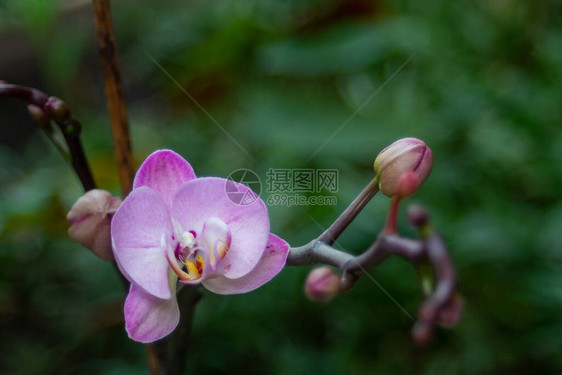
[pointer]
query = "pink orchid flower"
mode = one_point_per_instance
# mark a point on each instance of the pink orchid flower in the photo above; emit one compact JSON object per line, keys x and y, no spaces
{"x":174,"y":226}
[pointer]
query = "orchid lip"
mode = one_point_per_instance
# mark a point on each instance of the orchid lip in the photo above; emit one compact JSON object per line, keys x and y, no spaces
{"x":200,"y":258}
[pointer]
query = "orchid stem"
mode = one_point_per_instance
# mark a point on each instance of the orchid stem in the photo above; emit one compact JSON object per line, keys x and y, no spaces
{"x":178,"y":344}
{"x":114,"y":93}
{"x":391,"y":225}
{"x":342,"y":222}
{"x":429,"y":249}
{"x":70,"y":128}
{"x":168,"y":356}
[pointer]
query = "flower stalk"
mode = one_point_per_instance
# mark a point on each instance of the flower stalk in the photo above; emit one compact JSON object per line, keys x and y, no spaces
{"x":400,"y":169}
{"x":342,"y":222}
{"x":43,"y":109}
{"x":115,"y":96}
{"x":429,"y":250}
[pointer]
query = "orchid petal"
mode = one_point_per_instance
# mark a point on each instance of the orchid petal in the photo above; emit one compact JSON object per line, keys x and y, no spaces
{"x":164,"y":171}
{"x":149,"y":318}
{"x":204,"y":198}
{"x":270,"y":264}
{"x":216,"y":238}
{"x":137,"y":230}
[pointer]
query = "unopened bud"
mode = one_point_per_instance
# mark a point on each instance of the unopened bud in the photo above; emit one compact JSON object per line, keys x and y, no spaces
{"x":451,"y":312}
{"x":322,"y":284}
{"x":57,"y":109}
{"x":38,"y":115}
{"x":90,"y":219}
{"x":417,"y":215}
{"x":406,"y":185}
{"x":404,"y":155}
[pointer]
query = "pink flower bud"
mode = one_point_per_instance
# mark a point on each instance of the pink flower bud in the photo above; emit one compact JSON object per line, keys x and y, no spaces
{"x":90,"y":219}
{"x":417,"y":215}
{"x":451,"y":312}
{"x":38,"y":115}
{"x":406,"y":154}
{"x":322,"y":284}
{"x":407,"y":184}
{"x":57,"y":109}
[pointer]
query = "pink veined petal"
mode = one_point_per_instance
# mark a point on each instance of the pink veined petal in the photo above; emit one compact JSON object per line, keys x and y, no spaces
{"x":205,"y":198}
{"x":137,"y":230}
{"x":149,"y":318}
{"x":270,"y":264}
{"x":164,"y":171}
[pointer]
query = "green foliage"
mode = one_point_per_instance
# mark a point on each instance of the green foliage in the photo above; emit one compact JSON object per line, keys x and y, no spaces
{"x":482,"y":89}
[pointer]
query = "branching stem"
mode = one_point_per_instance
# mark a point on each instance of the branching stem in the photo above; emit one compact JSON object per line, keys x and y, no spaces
{"x":430,"y":249}
{"x":44,"y":109}
{"x":336,"y":229}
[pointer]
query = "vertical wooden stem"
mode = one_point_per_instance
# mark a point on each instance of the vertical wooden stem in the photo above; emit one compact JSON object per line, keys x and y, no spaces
{"x":114,"y":93}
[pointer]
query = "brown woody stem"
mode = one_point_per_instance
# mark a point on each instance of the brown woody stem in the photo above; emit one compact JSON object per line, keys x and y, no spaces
{"x":114,"y":93}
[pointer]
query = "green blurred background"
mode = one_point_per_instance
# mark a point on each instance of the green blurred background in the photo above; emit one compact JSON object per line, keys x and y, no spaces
{"x":482,"y":88}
